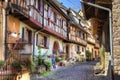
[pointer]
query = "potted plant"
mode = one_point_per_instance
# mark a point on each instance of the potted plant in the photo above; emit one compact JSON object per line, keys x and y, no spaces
{"x":16,"y":66}
{"x":28,"y":63}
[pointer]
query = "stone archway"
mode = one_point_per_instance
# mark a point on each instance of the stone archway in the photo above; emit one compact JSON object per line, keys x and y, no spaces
{"x":55,"y":47}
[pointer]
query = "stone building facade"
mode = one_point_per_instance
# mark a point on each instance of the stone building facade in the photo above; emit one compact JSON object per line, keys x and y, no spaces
{"x":116,"y":35}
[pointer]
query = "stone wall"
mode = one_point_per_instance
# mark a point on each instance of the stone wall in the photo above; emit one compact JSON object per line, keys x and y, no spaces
{"x":116,"y":35}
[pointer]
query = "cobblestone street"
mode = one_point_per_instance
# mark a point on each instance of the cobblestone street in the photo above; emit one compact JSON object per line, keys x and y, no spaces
{"x":82,"y":71}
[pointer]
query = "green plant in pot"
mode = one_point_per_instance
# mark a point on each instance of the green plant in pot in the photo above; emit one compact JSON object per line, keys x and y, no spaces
{"x":28,"y":63}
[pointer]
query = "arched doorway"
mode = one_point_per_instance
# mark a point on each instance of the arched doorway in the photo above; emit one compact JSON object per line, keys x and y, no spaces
{"x":55,"y":47}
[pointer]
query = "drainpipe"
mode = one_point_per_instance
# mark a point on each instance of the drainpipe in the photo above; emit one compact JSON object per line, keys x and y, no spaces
{"x":38,"y":31}
{"x":6,"y":33}
{"x":110,"y":31}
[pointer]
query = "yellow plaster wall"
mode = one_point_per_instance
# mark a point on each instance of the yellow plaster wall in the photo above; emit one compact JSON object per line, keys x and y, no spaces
{"x":13,"y":26}
{"x":24,"y":76}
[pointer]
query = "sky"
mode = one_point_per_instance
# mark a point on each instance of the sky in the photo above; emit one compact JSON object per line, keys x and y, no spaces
{"x":74,"y":4}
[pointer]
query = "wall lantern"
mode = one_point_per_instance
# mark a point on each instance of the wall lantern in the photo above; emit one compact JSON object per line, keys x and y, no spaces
{"x":13,"y":34}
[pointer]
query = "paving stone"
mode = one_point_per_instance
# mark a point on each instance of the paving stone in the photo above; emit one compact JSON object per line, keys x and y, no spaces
{"x":82,"y":71}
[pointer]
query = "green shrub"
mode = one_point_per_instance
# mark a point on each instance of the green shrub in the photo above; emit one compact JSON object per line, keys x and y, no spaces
{"x":102,"y":56}
{"x":88,"y":54}
{"x":28,"y":63}
{"x":39,"y":59}
{"x":58,"y":59}
{"x":48,"y":64}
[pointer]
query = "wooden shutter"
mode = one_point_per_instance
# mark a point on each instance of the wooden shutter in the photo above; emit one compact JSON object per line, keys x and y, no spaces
{"x":23,"y":33}
{"x":37,"y":39}
{"x":41,"y":5}
{"x":32,"y":38}
{"x":49,"y":12}
{"x":48,"y":41}
{"x":38,"y":42}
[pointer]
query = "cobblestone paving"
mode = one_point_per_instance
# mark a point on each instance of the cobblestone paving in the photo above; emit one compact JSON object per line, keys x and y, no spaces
{"x":82,"y":71}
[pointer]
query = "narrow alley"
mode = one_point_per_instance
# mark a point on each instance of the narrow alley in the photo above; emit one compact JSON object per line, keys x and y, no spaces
{"x":83,"y":71}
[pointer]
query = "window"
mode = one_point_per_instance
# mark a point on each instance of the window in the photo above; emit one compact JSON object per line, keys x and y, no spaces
{"x":55,"y":17}
{"x":42,"y":41}
{"x":76,"y":33}
{"x":40,"y":5}
{"x":82,"y":49}
{"x":27,"y":35}
{"x":49,"y":12}
{"x":83,"y":36}
{"x":78,"y":48}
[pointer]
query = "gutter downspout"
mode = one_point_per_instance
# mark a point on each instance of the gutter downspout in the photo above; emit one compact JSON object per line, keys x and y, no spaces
{"x":6,"y":30}
{"x":110,"y":30}
{"x":38,"y":31}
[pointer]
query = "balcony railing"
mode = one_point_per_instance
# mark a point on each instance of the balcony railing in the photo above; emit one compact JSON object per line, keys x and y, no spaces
{"x":36,"y":15}
{"x":20,"y":6}
{"x":84,"y":42}
{"x":22,"y":9}
{"x":91,"y":40}
{"x":52,"y":26}
{"x":78,"y":40}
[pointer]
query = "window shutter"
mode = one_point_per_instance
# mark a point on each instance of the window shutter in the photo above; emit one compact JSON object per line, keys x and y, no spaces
{"x":49,"y":12}
{"x":32,"y":38}
{"x":76,"y":48}
{"x":37,"y":39}
{"x":41,"y":7}
{"x":39,"y":4}
{"x":23,"y":33}
{"x":48,"y":41}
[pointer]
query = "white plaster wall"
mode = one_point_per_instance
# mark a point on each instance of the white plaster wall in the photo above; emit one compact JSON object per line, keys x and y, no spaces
{"x":28,"y":48}
{"x":51,"y":43}
{"x":83,"y":52}
{"x":73,"y":52}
